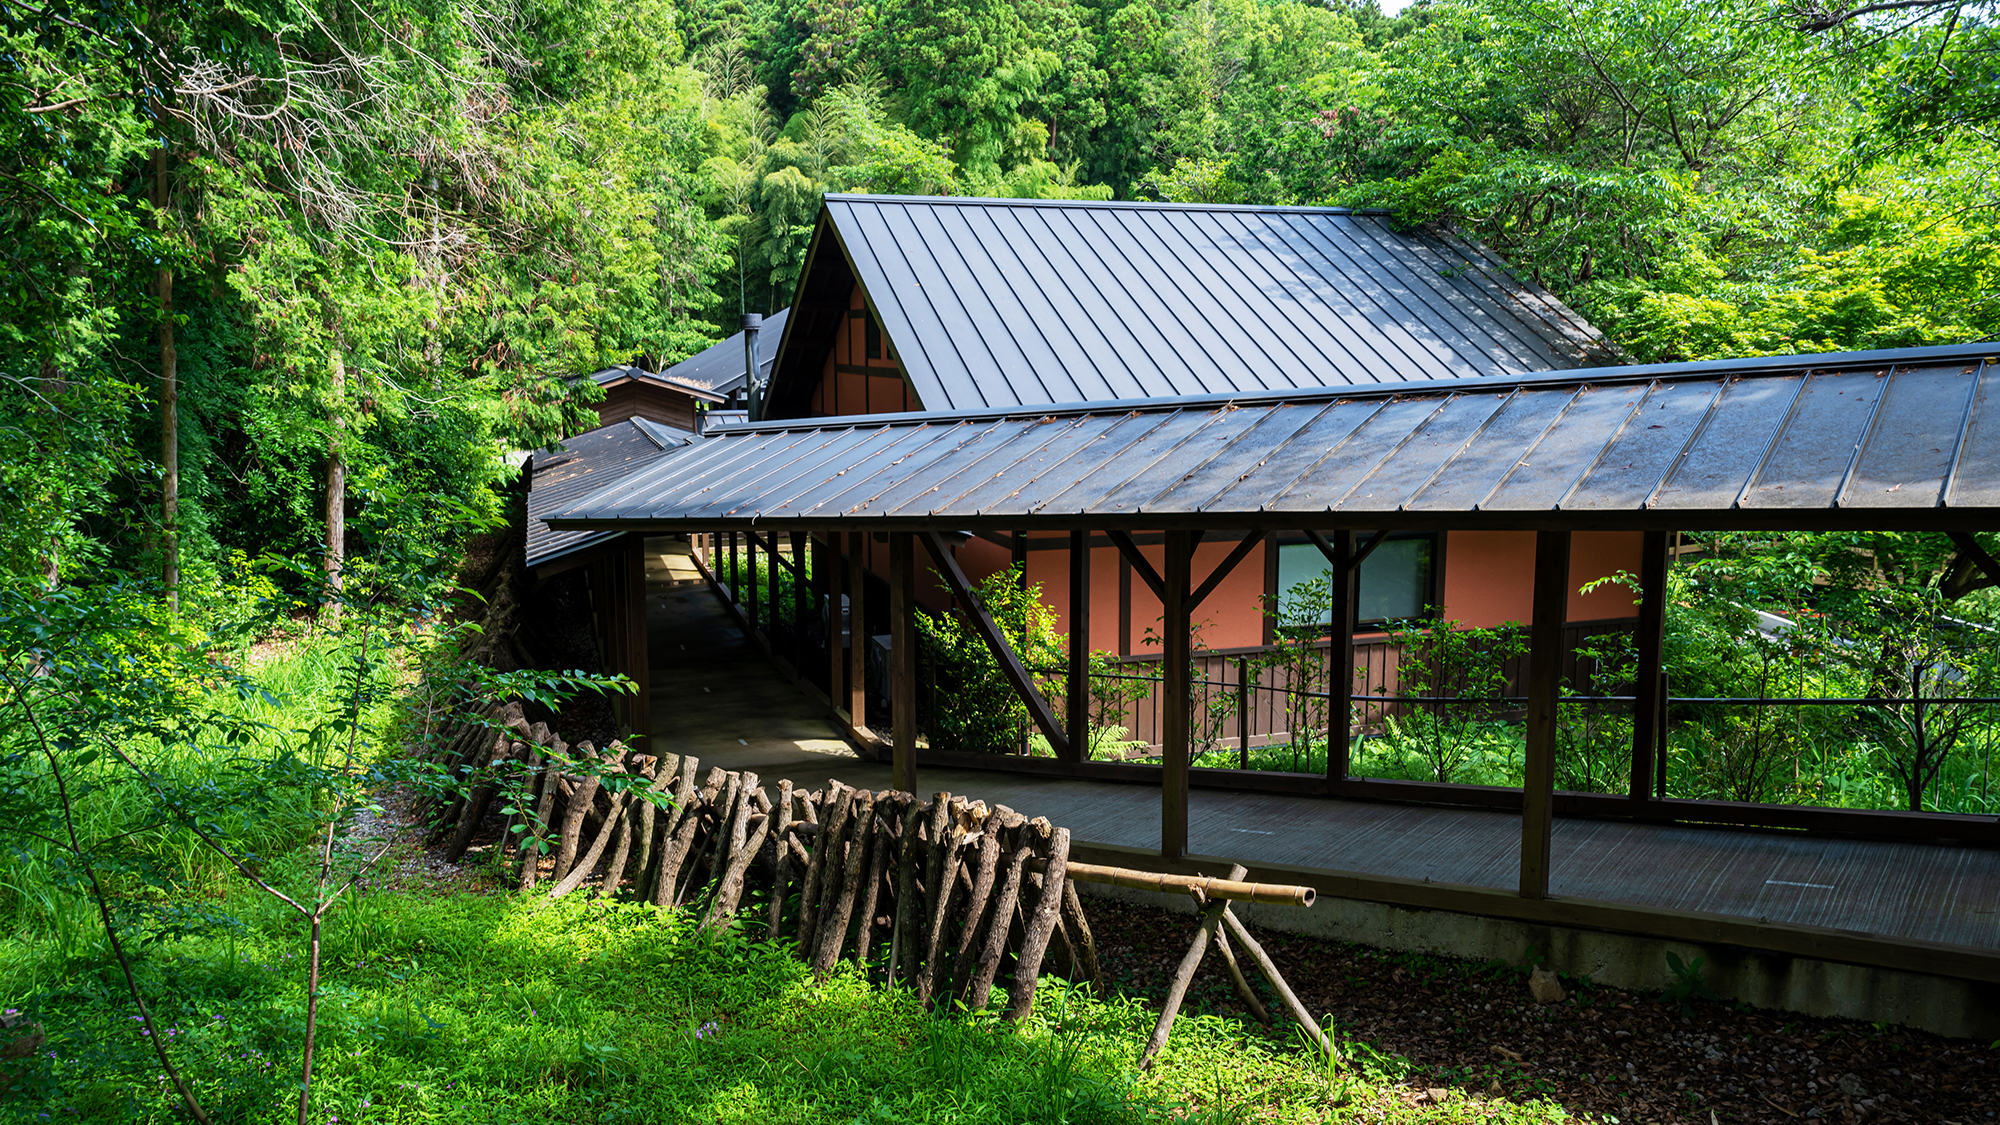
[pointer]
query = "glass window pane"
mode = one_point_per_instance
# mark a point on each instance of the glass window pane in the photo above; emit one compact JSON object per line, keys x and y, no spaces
{"x":1298,"y":562}
{"x":1395,"y":580}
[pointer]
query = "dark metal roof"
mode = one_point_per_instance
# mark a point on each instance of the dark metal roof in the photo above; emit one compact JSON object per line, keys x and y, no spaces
{"x":1907,"y":439}
{"x":719,"y":367}
{"x":626,"y":372}
{"x":1008,"y":302}
{"x":584,"y":464}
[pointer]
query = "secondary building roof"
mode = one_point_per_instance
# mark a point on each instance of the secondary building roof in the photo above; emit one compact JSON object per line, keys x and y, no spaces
{"x":1010,"y":302}
{"x":563,"y":474}
{"x":626,"y":373}
{"x":719,"y":367}
{"x":1879,"y":440}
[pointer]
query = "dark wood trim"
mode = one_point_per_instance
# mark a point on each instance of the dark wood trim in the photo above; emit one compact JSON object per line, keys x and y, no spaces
{"x":989,"y":630}
{"x":1140,"y":564}
{"x":1078,"y":702}
{"x":903,"y":662}
{"x":1819,"y":943}
{"x":1242,"y":551}
{"x":1175,"y":720}
{"x":877,"y":371}
{"x":1124,"y":604}
{"x":801,"y":599}
{"x":857,"y":637}
{"x":1340,"y":659}
{"x":1650,"y":644}
{"x":1544,"y":695}
{"x":1970,"y":547}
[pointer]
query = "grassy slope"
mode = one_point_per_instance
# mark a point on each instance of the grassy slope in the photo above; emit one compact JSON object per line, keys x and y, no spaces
{"x":483,"y":1008}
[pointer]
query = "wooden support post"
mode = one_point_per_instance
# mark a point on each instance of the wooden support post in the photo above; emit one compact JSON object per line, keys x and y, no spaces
{"x":1345,"y":580}
{"x":827,"y":570}
{"x":1020,"y":559}
{"x":903,"y":660}
{"x":1243,"y":712}
{"x":857,"y":630}
{"x":1079,"y":645}
{"x":639,"y":712}
{"x":801,"y":603}
{"x":750,"y":575}
{"x":735,"y":570}
{"x":1649,"y":642}
{"x":1175,"y":725}
{"x":1544,"y":692}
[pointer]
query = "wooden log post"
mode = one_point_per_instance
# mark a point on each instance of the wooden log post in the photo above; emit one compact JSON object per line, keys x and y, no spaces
{"x":826,"y":854}
{"x":1079,"y":646}
{"x":574,"y":811}
{"x":1275,"y":979}
{"x":1649,"y":704}
{"x":882,"y":844}
{"x":1177,"y":986}
{"x":985,"y":872}
{"x":667,"y":825}
{"x":902,"y":930}
{"x":587,"y":863}
{"x":903,"y":661}
{"x":857,"y":633}
{"x":1544,"y":695}
{"x":660,"y":784}
{"x":675,"y":854}
{"x":1244,"y":992}
{"x":781,"y":866}
{"x":1083,"y":948}
{"x":1001,"y":921}
{"x":1042,"y":923}
{"x":750,"y":579}
{"x":545,"y":802}
{"x":852,"y":848}
{"x":1176,"y":727}
{"x":942,"y":887}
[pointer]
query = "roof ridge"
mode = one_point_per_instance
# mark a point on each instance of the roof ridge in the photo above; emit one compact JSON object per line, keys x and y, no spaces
{"x":1114,"y":204}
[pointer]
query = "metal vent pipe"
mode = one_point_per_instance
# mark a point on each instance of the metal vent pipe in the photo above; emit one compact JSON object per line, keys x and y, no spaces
{"x":753,"y":323}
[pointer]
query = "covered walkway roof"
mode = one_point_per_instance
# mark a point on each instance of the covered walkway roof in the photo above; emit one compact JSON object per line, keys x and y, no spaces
{"x":1906,"y":439}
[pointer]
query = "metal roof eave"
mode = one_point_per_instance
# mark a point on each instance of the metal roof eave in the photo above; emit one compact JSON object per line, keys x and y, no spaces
{"x":1599,"y":376}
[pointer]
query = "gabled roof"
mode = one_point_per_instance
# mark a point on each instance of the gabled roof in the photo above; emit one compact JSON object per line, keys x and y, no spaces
{"x":581,"y":465}
{"x":626,"y":373}
{"x":1010,"y":302}
{"x":1908,"y":439}
{"x":719,"y":367}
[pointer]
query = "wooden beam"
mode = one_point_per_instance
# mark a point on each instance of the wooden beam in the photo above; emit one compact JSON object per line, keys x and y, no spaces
{"x":903,"y":662}
{"x":1175,"y":721}
{"x":1079,"y":645}
{"x":1649,"y":706}
{"x":1981,"y":558}
{"x":1345,"y":581}
{"x":1010,"y":664}
{"x":801,"y":602}
{"x":1139,"y":564}
{"x":750,"y":576}
{"x":857,"y":652}
{"x":1242,"y":551}
{"x":641,"y":717}
{"x":1544,"y":693}
{"x":827,"y":570}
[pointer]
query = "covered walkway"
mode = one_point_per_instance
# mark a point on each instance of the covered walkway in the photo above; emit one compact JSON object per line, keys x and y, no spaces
{"x":1918,"y":907}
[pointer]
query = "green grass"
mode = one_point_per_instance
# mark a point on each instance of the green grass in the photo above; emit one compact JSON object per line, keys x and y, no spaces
{"x":501,"y":1009}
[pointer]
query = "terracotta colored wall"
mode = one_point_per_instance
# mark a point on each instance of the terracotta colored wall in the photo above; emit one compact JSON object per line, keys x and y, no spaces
{"x":1489,"y":575}
{"x":867,"y":386}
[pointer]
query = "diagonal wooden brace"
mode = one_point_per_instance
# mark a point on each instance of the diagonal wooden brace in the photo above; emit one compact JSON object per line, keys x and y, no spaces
{"x":989,"y":631}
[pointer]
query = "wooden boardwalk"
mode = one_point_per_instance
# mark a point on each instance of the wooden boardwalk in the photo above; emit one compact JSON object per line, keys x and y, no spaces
{"x":1925,"y":907}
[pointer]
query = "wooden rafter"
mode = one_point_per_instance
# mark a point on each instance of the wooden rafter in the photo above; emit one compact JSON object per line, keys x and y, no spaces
{"x":989,"y":631}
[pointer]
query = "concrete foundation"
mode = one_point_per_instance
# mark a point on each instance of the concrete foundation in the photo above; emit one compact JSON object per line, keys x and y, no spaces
{"x":1941,"y":1005}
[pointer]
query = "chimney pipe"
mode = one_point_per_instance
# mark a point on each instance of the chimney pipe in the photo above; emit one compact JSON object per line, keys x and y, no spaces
{"x":753,"y":323}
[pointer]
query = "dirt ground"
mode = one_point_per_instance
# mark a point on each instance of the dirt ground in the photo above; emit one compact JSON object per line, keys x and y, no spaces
{"x":1606,"y":1053}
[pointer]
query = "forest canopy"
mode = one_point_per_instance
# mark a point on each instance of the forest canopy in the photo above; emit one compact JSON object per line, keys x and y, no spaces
{"x":270,"y":252}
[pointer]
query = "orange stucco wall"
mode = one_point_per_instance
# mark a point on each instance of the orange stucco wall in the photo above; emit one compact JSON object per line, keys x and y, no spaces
{"x":1489,"y":575}
{"x":851,"y":382}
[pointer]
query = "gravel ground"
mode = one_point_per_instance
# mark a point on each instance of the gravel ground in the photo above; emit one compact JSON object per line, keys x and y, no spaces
{"x":1605,"y":1053}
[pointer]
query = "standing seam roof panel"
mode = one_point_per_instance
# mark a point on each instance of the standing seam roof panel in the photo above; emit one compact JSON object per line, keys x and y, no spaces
{"x":1342,"y":337}
{"x":1919,"y":427}
{"x":1342,"y":247}
{"x":1641,"y":457}
{"x":927,"y":325}
{"x":806,"y":475}
{"x":1201,"y":368}
{"x":1976,"y":476}
{"x":1070,"y":482}
{"x":1248,"y":342}
{"x":1435,"y":295}
{"x":1417,"y":458}
{"x":1000,"y":328}
{"x":1022,"y":462}
{"x":1461,"y":278}
{"x":1127,"y":368}
{"x":1069,"y":361}
{"x":1213,"y":478}
{"x":1475,"y":470}
{"x":727,"y":496}
{"x":1164,"y":370}
{"x":667,"y":477}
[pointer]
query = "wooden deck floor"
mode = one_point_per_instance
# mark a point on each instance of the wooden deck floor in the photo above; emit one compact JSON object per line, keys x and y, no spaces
{"x":715,"y":695}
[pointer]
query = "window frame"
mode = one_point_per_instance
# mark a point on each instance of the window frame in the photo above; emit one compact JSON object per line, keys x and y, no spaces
{"x":1432,"y":584}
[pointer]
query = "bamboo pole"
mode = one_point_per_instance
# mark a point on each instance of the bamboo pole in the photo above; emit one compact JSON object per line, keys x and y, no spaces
{"x":1231,"y":889}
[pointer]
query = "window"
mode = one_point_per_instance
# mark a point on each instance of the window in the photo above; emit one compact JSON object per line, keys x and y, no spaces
{"x":1398,"y":578}
{"x":871,"y":334}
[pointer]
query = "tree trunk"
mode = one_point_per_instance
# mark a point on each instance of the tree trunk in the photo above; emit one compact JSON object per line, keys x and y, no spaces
{"x":170,"y":405}
{"x":336,"y":471}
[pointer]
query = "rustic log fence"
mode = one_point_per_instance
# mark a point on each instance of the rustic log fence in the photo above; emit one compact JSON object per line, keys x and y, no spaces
{"x":945,"y":895}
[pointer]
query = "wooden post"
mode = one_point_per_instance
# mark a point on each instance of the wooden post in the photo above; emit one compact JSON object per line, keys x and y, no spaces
{"x":829,"y":571}
{"x":1020,"y":559}
{"x":1079,"y":645}
{"x":801,"y":602}
{"x":1660,"y":740}
{"x":735,"y":578}
{"x":857,"y":651}
{"x":1544,"y":691}
{"x":750,"y":575}
{"x":1651,"y":639}
{"x":639,"y":716}
{"x":1243,"y":712}
{"x":1346,"y":583}
{"x":1175,"y":726}
{"x":903,"y":660}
